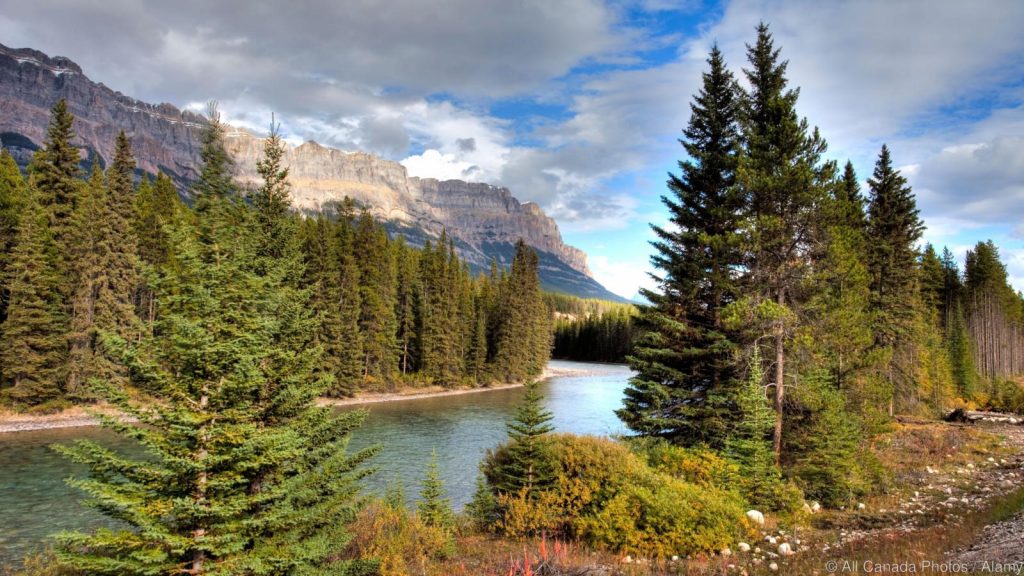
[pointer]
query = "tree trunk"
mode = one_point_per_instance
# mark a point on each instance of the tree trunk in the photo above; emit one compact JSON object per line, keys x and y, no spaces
{"x":780,"y":359}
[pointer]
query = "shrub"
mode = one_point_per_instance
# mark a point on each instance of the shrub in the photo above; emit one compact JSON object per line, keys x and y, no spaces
{"x":398,"y":541}
{"x":669,"y":517}
{"x":608,"y":496}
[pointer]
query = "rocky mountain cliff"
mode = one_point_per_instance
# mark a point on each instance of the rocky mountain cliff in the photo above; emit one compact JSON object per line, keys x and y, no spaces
{"x":484,"y":220}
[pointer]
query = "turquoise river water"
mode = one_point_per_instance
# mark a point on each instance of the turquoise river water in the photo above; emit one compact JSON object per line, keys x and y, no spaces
{"x":35,"y":502}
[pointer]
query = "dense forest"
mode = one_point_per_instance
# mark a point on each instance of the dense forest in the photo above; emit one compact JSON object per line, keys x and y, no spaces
{"x":77,"y":256}
{"x":592,"y":330}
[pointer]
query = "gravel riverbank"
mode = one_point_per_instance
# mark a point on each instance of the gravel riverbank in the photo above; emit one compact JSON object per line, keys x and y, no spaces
{"x":76,"y":417}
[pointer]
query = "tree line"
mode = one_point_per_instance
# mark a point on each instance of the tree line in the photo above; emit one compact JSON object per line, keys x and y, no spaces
{"x":593,"y":330}
{"x":794,"y":316}
{"x":78,"y":258}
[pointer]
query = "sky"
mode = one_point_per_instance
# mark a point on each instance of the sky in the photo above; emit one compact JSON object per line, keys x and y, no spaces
{"x":578,"y":104}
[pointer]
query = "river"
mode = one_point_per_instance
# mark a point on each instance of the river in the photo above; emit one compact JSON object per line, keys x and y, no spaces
{"x":35,"y":502}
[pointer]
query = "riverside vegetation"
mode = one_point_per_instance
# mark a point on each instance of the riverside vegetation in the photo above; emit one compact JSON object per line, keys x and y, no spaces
{"x":793,"y":320}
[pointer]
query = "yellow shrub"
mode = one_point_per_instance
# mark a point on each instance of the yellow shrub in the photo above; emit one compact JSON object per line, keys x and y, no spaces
{"x":397,"y":539}
{"x":668,"y":518}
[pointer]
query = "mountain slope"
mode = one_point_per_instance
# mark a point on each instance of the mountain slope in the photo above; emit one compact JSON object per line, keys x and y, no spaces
{"x":484,"y":220}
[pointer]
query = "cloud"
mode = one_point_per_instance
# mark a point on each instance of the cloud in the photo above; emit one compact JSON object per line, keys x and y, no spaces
{"x":622,"y":277}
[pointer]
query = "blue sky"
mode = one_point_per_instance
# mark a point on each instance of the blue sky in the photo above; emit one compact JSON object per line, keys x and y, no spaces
{"x":577,"y":104}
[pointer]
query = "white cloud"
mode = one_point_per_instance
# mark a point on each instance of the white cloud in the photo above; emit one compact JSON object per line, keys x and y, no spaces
{"x":622,"y":277}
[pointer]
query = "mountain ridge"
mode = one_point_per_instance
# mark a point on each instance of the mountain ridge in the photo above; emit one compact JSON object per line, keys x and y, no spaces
{"x":483,"y":219}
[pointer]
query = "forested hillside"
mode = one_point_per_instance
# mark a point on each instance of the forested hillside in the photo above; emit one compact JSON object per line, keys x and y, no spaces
{"x":79,"y":254}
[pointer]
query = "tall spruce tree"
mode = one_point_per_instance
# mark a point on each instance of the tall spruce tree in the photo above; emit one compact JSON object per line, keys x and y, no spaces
{"x":33,"y":348}
{"x":244,"y":474}
{"x":156,"y":205}
{"x":894,"y":228}
{"x":377,"y":293}
{"x":684,"y":384}
{"x":785,"y":183}
{"x":522,"y":322}
{"x":13,"y":197}
{"x":105,"y":264}
{"x":54,"y":172}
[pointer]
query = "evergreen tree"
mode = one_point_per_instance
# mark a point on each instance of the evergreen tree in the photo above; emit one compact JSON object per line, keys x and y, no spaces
{"x":244,"y":474}
{"x":33,"y":349}
{"x":272,"y":200}
{"x":406,"y":305}
{"x":523,"y":330}
{"x":476,"y":361}
{"x":55,"y":174}
{"x":13,"y":197}
{"x":684,"y":384}
{"x":105,"y":264}
{"x":850,"y":204}
{"x":483,"y":508}
{"x":377,"y":295}
{"x":434,"y":507}
{"x":781,"y":173}
{"x":157,"y":204}
{"x":894,"y":228}
{"x":528,"y":467}
{"x":749,"y":443}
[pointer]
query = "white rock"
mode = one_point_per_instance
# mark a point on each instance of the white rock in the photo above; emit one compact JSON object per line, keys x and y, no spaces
{"x":770,"y":539}
{"x":743,"y":546}
{"x":726,"y":552}
{"x":773,"y":567}
{"x":785,"y":549}
{"x":756,"y":517}
{"x":815,"y":507}
{"x":861,"y":506}
{"x":675,"y":558}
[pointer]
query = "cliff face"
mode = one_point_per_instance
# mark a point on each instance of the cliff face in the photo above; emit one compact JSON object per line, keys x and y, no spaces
{"x":484,"y":220}
{"x":474,"y":213}
{"x":162,"y":136}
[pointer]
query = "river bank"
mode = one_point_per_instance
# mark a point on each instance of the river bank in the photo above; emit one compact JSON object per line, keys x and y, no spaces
{"x":78,"y":416}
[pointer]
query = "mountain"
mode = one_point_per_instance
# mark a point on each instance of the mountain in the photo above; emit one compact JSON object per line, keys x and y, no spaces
{"x":485,"y":221}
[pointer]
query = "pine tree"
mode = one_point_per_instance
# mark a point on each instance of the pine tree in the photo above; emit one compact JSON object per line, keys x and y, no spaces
{"x":523,"y":330}
{"x":33,"y":349}
{"x":406,"y":305}
{"x":272,"y":200}
{"x":781,"y":174}
{"x":105,"y":265}
{"x":157,"y":204}
{"x":377,"y":295}
{"x":529,"y":467}
{"x":894,"y":229}
{"x":54,"y":172}
{"x":13,"y":197}
{"x":476,"y":361}
{"x":749,"y":443}
{"x":684,"y":383}
{"x":434,"y":506}
{"x":332,"y":272}
{"x":483,"y":508}
{"x":244,"y":474}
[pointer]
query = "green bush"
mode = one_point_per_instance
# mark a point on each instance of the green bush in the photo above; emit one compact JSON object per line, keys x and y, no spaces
{"x":666,"y":518}
{"x":606,"y":495}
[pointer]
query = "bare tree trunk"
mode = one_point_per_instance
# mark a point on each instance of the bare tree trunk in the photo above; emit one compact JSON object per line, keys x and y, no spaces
{"x":780,"y":390}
